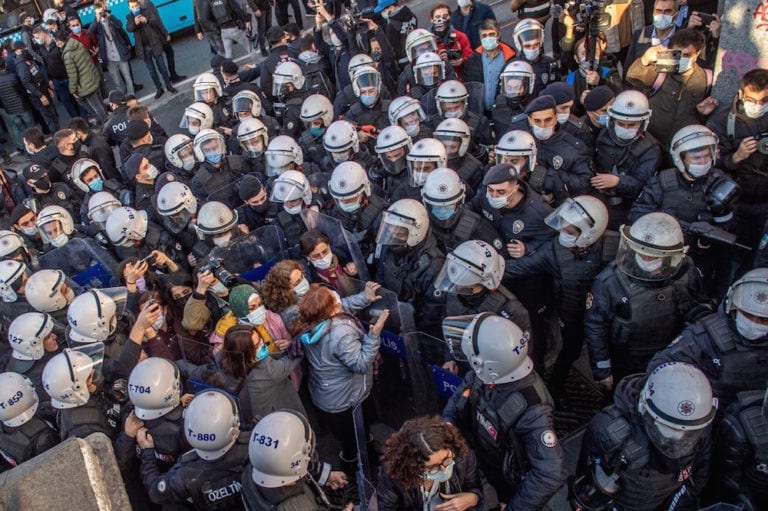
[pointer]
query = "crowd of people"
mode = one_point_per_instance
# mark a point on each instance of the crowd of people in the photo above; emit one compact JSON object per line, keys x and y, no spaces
{"x":212,"y":295}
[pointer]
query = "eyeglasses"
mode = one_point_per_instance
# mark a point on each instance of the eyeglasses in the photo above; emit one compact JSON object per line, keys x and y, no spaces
{"x":434,"y":469}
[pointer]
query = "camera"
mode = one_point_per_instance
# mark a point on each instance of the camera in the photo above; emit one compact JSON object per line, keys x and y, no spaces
{"x":668,"y":61}
{"x":215,"y":266}
{"x":762,"y":142}
{"x":706,"y":19}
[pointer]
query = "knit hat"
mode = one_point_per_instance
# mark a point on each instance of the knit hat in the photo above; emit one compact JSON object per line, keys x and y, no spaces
{"x":598,"y":98}
{"x":238,"y":299}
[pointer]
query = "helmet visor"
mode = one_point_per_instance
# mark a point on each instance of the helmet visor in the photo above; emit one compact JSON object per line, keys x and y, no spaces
{"x":395,"y":229}
{"x":454,"y":328}
{"x":286,"y":192}
{"x":205,"y":94}
{"x":452,"y":143}
{"x":645,"y":262}
{"x":428,"y":75}
{"x":515,"y":86}
{"x":368,"y":80}
{"x":100,"y":213}
{"x":569,"y":213}
{"x":242,"y":104}
{"x":423,"y":48}
{"x":672,"y":442}
{"x":419,"y":170}
{"x":51,"y":229}
{"x":458,"y":276}
{"x":186,"y":153}
{"x":177,"y":221}
{"x":394,"y":167}
{"x":253,"y":146}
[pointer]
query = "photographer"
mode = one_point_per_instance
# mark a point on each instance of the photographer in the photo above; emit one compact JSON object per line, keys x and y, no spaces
{"x":452,"y":45}
{"x":114,"y":47}
{"x":659,"y":33}
{"x":208,"y":302}
{"x":591,"y":70}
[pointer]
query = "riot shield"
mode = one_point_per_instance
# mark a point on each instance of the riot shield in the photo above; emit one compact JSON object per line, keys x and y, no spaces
{"x":369,"y":314}
{"x":252,"y":255}
{"x":204,"y":372}
{"x":85,"y":261}
{"x":343,"y":243}
{"x":365,"y":488}
{"x":95,"y":350}
{"x":431,"y":383}
{"x":227,"y":194}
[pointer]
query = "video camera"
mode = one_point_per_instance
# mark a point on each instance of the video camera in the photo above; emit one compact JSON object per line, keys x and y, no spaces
{"x":353,"y":18}
{"x":590,"y":15}
{"x":215,"y":266}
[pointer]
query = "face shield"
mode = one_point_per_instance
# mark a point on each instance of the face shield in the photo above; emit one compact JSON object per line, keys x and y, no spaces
{"x":191,"y":123}
{"x":515,"y":86}
{"x":454,"y":328}
{"x":418,"y":171}
{"x":672,"y":442}
{"x":368,"y":81}
{"x":186,"y":153}
{"x":421,"y":49}
{"x":453,"y":109}
{"x":646,"y":262}
{"x":205,"y":95}
{"x":100,"y":213}
{"x":52,"y":232}
{"x":394,"y":161}
{"x":242,"y":104}
{"x":569,"y":213}
{"x":254,"y":146}
{"x":452,"y":144}
{"x":213,"y":150}
{"x":285,"y":192}
{"x":458,"y":276}
{"x":177,"y":221}
{"x":395,"y":229}
{"x":280,"y":88}
{"x":428,"y":75}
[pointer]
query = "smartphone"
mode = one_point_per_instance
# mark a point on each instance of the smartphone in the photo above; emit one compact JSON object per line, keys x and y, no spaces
{"x":667,"y":61}
{"x":706,"y":19}
{"x":150,"y":259}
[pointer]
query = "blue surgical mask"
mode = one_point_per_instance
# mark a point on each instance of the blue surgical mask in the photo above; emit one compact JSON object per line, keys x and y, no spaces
{"x":443,"y":475}
{"x":77,"y":29}
{"x":603,"y":120}
{"x":316,"y":131}
{"x":368,"y":100}
{"x":136,"y":11}
{"x":262,"y":352}
{"x":684,"y":65}
{"x":443,"y":212}
{"x":38,"y":42}
{"x":490,"y":43}
{"x":214,"y":158}
{"x":96,"y":185}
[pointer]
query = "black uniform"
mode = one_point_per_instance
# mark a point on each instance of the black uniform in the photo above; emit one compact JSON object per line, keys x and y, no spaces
{"x":546,"y":69}
{"x":59,"y":195}
{"x":288,"y":113}
{"x":568,"y":165}
{"x":99,"y":415}
{"x":364,"y":223}
{"x":377,"y":115}
{"x":210,"y":178}
{"x":509,"y":114}
{"x":114,"y":128}
{"x":463,"y":226}
{"x":302,"y":495}
{"x":501,"y":301}
{"x":470,"y":170}
{"x":510,"y":427}
{"x":24,"y":442}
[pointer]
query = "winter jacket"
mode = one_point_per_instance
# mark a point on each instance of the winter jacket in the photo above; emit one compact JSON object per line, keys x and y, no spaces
{"x":54,"y":64}
{"x":84,"y":76}
{"x":13,"y":99}
{"x":87,"y":39}
{"x":118,"y":35}
{"x":150,"y":36}
{"x":473,"y":68}
{"x":471,"y":28}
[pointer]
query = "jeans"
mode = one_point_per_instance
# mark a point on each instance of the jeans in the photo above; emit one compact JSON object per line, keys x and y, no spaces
{"x":121,"y":74}
{"x":230,"y":35}
{"x":150,"y":60}
{"x":168,"y":50}
{"x":47,"y":112}
{"x":68,"y":100}
{"x":94,"y":103}
{"x":16,"y":124}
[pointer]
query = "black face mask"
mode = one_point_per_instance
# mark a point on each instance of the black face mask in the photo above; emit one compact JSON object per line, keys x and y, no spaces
{"x":77,"y":146}
{"x":43,"y":185}
{"x":261,"y":208}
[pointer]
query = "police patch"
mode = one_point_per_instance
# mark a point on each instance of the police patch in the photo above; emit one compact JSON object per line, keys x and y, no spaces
{"x":557,"y":162}
{"x":161,"y":486}
{"x":544,"y":78}
{"x":686,"y":407}
{"x":61,"y":195}
{"x":590,"y":299}
{"x":761,"y":297}
{"x":518,"y":226}
{"x":549,"y":438}
{"x":289,"y":125}
{"x":497,"y":244}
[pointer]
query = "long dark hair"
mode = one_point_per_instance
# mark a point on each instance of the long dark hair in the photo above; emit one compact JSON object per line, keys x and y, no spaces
{"x":238,"y":355}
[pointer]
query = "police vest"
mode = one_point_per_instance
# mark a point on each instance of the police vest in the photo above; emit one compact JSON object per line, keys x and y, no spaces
{"x":293,"y":227}
{"x":101,"y":414}
{"x":297,"y":498}
{"x":166,"y":432}
{"x":470,"y":170}
{"x":312,"y":147}
{"x":505,"y":116}
{"x":17,"y":445}
{"x":755,"y":427}
{"x":462,"y":230}
{"x":732,"y":367}
{"x":401,"y":274}
{"x":494,"y":301}
{"x":683,"y":202}
{"x":221,"y":12}
{"x":376,"y":116}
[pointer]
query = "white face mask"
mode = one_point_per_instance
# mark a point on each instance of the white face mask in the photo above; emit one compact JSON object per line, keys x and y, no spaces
{"x":294,"y":210}
{"x":194,"y":130}
{"x":257,"y":316}
{"x":324,"y":263}
{"x":29,"y":231}
{"x":662,"y":21}
{"x":531,"y":54}
{"x":755,"y":111}
{"x":748,"y":328}
{"x":698,"y":170}
{"x":563,"y":118}
{"x":222,"y":240}
{"x":684,"y":65}
{"x":543,"y":133}
{"x":412,"y":129}
{"x":158,"y":324}
{"x":463,"y":3}
{"x":60,"y":240}
{"x":497,"y":202}
{"x":152,"y":172}
{"x":301,"y":288}
{"x":453,"y":114}
{"x":567,"y":239}
{"x":219,"y":288}
{"x":348,"y":207}
{"x":649,"y":266}
{"x":625,"y":133}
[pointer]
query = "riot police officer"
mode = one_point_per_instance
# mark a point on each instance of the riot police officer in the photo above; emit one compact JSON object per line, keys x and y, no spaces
{"x":288,"y":88}
{"x":56,"y":226}
{"x":180,"y":157}
{"x":731,"y":344}
{"x":392,"y":146}
{"x":216,"y":225}
{"x":134,"y":235}
{"x":207,"y":90}
{"x":528,"y":39}
{"x":626,"y":155}
{"x":429,"y":71}
{"x":176,"y":205}
{"x":197,"y":117}
{"x":504,"y":410}
{"x":282,"y":154}
{"x":564,"y":99}
{"x":638,"y":304}
{"x":341,"y":142}
{"x":443,"y":195}
{"x":406,"y":112}
{"x":517,"y":81}
{"x":88,"y":179}
{"x":252,"y":140}
{"x":50,"y":291}
{"x":456,"y":137}
{"x":247,"y":104}
{"x":33,"y":342}
{"x":291,"y":190}
{"x":209,"y":475}
{"x":650,"y":449}
{"x":369,"y":113}
{"x":418,"y":42}
{"x":217,"y":169}
{"x":425,"y":156}
{"x":452,"y":102}
{"x":317,"y":116}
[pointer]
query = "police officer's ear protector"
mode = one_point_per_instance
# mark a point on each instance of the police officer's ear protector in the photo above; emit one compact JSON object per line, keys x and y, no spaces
{"x":474,"y":357}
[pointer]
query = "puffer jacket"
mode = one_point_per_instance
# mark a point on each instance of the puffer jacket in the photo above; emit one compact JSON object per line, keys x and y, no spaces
{"x":13,"y":98}
{"x":83,"y":75}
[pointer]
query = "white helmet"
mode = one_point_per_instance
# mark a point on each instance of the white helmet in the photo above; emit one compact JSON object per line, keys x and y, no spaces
{"x":252,"y":136}
{"x":340,"y":140}
{"x":47,"y":291}
{"x":283,"y":154}
{"x":65,"y":379}
{"x":472,"y":263}
{"x":516,"y":143}
{"x":291,"y":185}
{"x":357,"y":61}
{"x":93,"y":315}
{"x":404,"y":223}
{"x":390,"y":139}
{"x":652,"y":248}
{"x":51,"y":15}
{"x":19,"y":399}
{"x":495,"y":347}
{"x":125,"y":226}
{"x":527,"y":30}
{"x":517,"y":79}
{"x":425,"y":156}
{"x":691,"y":138}
{"x":100,"y":205}
{"x":26,"y":334}
{"x":51,"y":215}
{"x":209,"y":145}
{"x":406,"y":112}
{"x":417,"y":42}
{"x":274,"y":465}
{"x":197,"y":116}
{"x":212,"y":423}
{"x":442,"y":194}
{"x":215,"y":218}
{"x":177,"y":205}
{"x":429,"y":69}
{"x":285,"y":73}
{"x":154,"y":388}
{"x":451,"y":132}
{"x":629,"y":106}
{"x":11,"y":272}
{"x":246,"y":101}
{"x":452,"y":91}
{"x":204,"y":82}
{"x":348,"y":181}
{"x":317,"y":106}
{"x":180,"y":151}
{"x":749,"y":294}
{"x":10,"y":244}
{"x":588,"y":214}
{"x":366,"y":77}
{"x":677,"y":406}
{"x":79,"y":168}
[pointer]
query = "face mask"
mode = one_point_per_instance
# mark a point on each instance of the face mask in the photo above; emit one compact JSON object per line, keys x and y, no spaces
{"x":324,"y":263}
{"x":649,"y":266}
{"x":464,"y":3}
{"x":29,"y":231}
{"x":625,"y":133}
{"x":563,"y":118}
{"x":749,"y":329}
{"x":76,"y":146}
{"x":754,"y":111}
{"x":309,"y":57}
{"x":77,"y":29}
{"x":348,"y":207}
{"x":584,"y":66}
{"x":194,"y":130}
{"x":136,"y":11}
{"x":38,"y":42}
{"x":684,"y":65}
{"x":152,"y":172}
{"x":301,"y":288}
{"x":439,"y":26}
{"x":141,"y":284}
{"x":340,"y":157}
{"x":222,"y":240}
{"x":602,"y":120}
{"x":412,"y":129}
{"x":60,"y":240}
{"x":214,"y":158}
{"x":443,"y":212}
{"x":96,"y":185}
{"x":543,"y":133}
{"x":531,"y":54}
{"x":316,"y":131}
{"x":496,"y":202}
{"x":490,"y":43}
{"x":294,"y":210}
{"x":262,"y":352}
{"x":44,"y":184}
{"x":157,"y":325}
{"x":257,"y":316}
{"x":567,"y":239}
{"x":188,"y":163}
{"x":455,"y":114}
{"x":443,"y":475}
{"x":376,"y":56}
{"x":698,"y":170}
{"x":385,"y":15}
{"x":662,"y":21}
{"x":219,"y":288}
{"x":368,"y":100}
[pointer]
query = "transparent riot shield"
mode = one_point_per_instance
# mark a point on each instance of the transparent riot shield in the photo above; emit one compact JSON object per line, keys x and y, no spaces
{"x":365,"y":488}
{"x":343,"y":243}
{"x":227,"y":194}
{"x":95,"y":350}
{"x":369,"y":315}
{"x":430,"y":370}
{"x":86,"y":262}
{"x":252,"y":255}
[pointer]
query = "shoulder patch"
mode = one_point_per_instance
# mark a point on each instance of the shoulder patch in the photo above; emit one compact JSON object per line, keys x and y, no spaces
{"x":557,"y":162}
{"x":549,"y":438}
{"x":589,"y":301}
{"x":518,"y":226}
{"x":161,"y":486}
{"x":61,"y":195}
{"x":497,"y":244}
